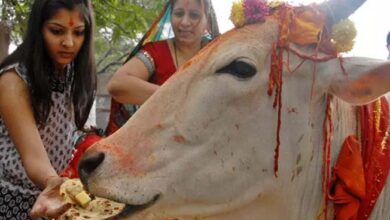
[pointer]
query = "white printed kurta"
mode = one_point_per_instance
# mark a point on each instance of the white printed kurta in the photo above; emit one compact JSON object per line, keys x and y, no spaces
{"x":17,"y":192}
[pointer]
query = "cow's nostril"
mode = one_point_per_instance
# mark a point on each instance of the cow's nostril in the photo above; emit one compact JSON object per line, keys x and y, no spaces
{"x":88,"y":164}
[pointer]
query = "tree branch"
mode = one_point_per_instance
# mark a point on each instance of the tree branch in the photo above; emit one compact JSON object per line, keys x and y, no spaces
{"x":108,"y":53}
{"x":115,"y":23}
{"x":119,"y":62}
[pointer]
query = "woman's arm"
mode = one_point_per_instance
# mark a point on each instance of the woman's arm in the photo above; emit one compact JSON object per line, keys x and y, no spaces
{"x":17,"y":114}
{"x":130,"y":83}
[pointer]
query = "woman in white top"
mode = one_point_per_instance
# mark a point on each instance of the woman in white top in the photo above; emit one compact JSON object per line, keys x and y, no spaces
{"x":47,"y":87}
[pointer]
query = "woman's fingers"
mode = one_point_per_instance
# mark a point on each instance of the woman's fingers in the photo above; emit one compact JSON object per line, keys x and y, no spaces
{"x":49,"y":208}
{"x":49,"y":203}
{"x":37,"y":211}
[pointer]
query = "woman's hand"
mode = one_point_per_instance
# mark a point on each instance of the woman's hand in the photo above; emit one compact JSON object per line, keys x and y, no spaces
{"x":49,"y":203}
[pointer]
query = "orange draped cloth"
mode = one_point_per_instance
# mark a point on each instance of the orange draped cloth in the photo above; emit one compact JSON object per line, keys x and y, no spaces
{"x":361,"y":172}
{"x":348,"y":183}
{"x":305,"y":25}
{"x":300,"y":25}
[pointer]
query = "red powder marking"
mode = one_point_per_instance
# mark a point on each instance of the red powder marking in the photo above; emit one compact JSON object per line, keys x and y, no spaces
{"x":133,"y":162}
{"x":159,"y":126}
{"x":327,"y":130}
{"x":137,"y":159}
{"x":179,"y":139}
{"x":71,"y":22}
{"x":187,"y":64}
{"x":187,"y":3}
{"x":112,"y":149}
{"x":292,"y":110}
{"x":127,"y":160}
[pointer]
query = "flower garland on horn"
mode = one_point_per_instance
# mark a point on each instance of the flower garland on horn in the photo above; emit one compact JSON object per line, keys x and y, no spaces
{"x":342,"y":34}
{"x":249,"y":12}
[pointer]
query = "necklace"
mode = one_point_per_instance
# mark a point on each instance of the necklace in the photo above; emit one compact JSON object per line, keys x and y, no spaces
{"x":176,"y":60}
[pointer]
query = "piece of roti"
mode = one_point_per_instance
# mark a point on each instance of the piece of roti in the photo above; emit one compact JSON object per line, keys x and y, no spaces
{"x":83,"y":208}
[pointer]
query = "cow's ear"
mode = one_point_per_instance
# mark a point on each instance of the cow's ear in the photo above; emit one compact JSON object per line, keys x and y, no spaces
{"x":360,"y":80}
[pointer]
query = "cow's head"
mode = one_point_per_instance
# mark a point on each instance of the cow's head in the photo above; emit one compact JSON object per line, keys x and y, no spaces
{"x":204,"y":143}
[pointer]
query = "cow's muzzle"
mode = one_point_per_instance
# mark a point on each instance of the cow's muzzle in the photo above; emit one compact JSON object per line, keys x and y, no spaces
{"x":88,"y":163}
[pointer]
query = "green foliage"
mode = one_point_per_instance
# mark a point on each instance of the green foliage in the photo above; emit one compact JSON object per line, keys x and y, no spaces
{"x":15,"y":13}
{"x":119,"y":26}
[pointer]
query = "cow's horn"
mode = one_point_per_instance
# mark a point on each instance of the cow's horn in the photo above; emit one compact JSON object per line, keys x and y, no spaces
{"x":337,"y":10}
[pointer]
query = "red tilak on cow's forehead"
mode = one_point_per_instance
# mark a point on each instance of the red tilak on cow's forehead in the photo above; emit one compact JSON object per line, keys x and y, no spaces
{"x":113,"y":149}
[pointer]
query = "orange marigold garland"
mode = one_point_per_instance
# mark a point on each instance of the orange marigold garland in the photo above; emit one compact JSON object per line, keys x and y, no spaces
{"x":237,"y":15}
{"x":343,"y":35}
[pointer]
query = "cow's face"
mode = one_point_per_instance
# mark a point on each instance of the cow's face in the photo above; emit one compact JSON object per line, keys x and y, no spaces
{"x":204,"y":143}
{"x":193,"y":139}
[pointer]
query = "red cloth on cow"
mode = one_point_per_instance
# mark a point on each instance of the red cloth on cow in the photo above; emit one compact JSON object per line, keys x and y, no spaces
{"x":348,"y":184}
{"x":72,"y":170}
{"x":351,"y":201}
{"x":374,"y":119}
{"x":164,"y":68}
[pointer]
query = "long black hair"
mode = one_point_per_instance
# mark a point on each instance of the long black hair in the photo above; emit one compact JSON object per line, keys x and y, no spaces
{"x":32,"y":53}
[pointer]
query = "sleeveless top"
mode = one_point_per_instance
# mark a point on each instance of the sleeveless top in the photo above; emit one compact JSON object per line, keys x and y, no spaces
{"x":56,"y":135}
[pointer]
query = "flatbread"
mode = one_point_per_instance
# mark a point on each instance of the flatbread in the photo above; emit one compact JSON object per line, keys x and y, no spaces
{"x":97,"y":208}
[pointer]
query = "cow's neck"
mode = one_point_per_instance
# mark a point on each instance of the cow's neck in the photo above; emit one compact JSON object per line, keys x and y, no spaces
{"x":298,"y":190}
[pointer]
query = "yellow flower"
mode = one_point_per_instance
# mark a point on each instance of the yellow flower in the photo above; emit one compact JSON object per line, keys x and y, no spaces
{"x":237,"y":15}
{"x":275,"y":3}
{"x":343,"y":35}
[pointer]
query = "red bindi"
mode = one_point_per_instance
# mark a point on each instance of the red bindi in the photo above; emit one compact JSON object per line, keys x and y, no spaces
{"x":71,"y":22}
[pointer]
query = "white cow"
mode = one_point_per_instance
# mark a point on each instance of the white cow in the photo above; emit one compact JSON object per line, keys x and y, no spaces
{"x":202,"y":147}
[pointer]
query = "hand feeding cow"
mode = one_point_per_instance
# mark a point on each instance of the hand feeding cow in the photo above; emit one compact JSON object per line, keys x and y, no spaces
{"x":203,"y":146}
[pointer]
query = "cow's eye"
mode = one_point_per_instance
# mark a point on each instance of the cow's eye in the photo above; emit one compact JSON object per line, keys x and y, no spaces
{"x":239,"y":68}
